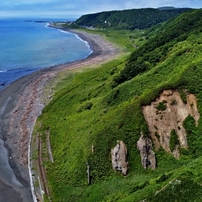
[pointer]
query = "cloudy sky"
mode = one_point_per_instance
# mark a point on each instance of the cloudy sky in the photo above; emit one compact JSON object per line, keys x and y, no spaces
{"x":76,"y":8}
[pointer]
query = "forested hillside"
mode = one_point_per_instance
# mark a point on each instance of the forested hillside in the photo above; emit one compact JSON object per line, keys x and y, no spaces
{"x":129,"y":19}
{"x":133,"y":100}
{"x":157,"y":49}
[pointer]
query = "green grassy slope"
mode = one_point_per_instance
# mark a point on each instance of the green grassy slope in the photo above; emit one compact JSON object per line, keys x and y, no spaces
{"x":91,"y":109}
{"x":158,"y":48}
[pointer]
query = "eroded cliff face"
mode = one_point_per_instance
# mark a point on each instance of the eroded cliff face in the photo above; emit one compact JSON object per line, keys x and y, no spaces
{"x":166,"y":114}
{"x":148,"y":159}
{"x":119,"y":157}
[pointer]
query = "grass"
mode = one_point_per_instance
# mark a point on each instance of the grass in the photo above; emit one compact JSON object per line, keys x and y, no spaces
{"x":88,"y":110}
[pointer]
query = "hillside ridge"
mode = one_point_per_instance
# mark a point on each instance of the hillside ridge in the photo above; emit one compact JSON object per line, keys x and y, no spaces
{"x":150,"y":101}
{"x":129,"y":19}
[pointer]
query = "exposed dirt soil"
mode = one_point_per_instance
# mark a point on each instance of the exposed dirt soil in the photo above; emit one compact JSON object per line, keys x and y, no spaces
{"x":167,"y":113}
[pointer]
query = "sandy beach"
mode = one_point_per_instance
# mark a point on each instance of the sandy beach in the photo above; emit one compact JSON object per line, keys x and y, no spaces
{"x":21,"y":104}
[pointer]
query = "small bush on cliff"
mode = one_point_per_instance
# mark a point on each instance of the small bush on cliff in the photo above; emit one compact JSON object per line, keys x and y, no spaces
{"x":161,"y":106}
{"x":173,"y":140}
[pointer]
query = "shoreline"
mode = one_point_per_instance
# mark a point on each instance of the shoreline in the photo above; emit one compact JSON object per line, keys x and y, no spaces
{"x":21,"y":105}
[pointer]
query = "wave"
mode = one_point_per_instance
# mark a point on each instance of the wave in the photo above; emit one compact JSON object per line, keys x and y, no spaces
{"x":78,"y":37}
{"x":3,"y":71}
{"x":63,"y":31}
{"x":87,"y":44}
{"x":48,"y":25}
{"x":23,"y":69}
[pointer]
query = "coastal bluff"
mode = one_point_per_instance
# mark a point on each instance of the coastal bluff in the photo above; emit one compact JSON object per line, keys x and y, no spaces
{"x":166,"y":115}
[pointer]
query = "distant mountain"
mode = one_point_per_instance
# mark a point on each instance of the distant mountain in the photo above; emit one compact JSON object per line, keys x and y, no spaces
{"x":166,"y":8}
{"x":129,"y":19}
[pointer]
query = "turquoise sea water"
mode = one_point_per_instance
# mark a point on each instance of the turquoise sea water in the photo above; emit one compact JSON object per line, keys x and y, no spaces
{"x":26,"y":46}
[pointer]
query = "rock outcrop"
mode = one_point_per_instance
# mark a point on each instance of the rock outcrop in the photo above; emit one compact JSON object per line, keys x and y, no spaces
{"x":148,"y":158}
{"x":167,"y":114}
{"x":119,"y":157}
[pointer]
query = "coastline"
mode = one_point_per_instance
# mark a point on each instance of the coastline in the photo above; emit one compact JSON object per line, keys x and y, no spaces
{"x":21,"y":105}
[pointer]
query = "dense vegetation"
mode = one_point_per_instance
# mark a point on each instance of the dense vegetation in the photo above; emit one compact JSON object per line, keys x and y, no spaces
{"x":157,"y":49}
{"x":98,"y":106}
{"x":129,"y":19}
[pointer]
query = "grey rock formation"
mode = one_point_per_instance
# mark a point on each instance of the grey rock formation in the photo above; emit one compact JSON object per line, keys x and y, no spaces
{"x":148,"y":158}
{"x":161,"y":123}
{"x":119,"y":157}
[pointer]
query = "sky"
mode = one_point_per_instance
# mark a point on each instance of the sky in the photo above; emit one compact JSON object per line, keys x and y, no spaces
{"x":73,"y":9}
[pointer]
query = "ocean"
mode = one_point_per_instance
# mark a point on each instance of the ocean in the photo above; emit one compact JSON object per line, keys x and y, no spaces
{"x":28,"y":45}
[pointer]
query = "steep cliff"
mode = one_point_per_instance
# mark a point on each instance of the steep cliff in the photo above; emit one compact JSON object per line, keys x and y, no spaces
{"x":165,"y":116}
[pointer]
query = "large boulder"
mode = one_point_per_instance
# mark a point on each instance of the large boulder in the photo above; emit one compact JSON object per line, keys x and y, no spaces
{"x":148,"y":158}
{"x":119,"y":157}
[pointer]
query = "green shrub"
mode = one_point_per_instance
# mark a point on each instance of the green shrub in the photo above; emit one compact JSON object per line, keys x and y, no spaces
{"x":87,"y":106}
{"x":173,"y":140}
{"x":161,"y":106}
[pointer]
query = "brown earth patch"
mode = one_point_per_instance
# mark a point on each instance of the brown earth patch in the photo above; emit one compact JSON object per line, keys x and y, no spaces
{"x":167,"y":113}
